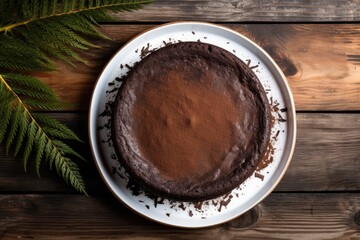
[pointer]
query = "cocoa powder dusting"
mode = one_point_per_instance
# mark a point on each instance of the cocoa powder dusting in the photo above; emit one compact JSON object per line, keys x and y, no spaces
{"x":189,"y":122}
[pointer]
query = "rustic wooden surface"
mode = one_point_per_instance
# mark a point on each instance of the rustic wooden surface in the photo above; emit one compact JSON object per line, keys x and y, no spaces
{"x":280,"y":216}
{"x":319,"y":197}
{"x":320,"y":61}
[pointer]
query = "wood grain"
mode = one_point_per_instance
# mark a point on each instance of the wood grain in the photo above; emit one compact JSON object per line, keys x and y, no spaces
{"x":245,"y":11}
{"x":327,"y":158}
{"x":320,"y":61}
{"x":280,"y":216}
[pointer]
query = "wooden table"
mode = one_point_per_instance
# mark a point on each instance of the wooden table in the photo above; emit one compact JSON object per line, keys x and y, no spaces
{"x":319,"y":197}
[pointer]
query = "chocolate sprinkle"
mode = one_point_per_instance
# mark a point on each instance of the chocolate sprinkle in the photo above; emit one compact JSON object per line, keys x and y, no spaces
{"x":191,"y":213}
{"x":258,"y":175}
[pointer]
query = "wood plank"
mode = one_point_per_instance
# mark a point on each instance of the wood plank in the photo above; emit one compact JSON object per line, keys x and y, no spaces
{"x":245,"y":11}
{"x":280,"y":216}
{"x":327,"y":158}
{"x":327,"y":154}
{"x":321,"y":63}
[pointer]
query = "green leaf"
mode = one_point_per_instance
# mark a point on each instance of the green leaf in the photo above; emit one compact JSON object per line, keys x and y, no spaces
{"x":33,"y":34}
{"x":53,"y":124}
{"x":31,"y":132}
{"x":41,"y":142}
{"x":35,"y":104}
{"x":13,"y":127}
{"x":5,"y":111}
{"x":23,"y":123}
{"x":29,"y":82}
{"x":65,"y":149}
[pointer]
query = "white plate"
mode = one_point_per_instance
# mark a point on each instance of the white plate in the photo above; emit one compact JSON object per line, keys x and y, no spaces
{"x":185,"y":214}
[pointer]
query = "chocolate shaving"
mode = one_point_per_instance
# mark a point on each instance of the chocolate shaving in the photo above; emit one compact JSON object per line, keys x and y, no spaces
{"x":281,"y":119}
{"x":167,"y":43}
{"x":258,"y":175}
{"x":225,"y":203}
{"x":276,"y":135}
{"x":134,"y":187}
{"x":182,"y":206}
{"x":145,"y":51}
{"x":118,"y":79}
{"x":198,"y":205}
{"x":128,"y":67}
{"x":158,"y":200}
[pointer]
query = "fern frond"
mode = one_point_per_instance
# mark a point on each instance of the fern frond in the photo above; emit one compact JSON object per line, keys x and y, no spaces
{"x":15,"y":54}
{"x":39,"y":141}
{"x":23,"y":123}
{"x":56,"y":125}
{"x":13,"y":127}
{"x":29,"y":82}
{"x":35,"y":104}
{"x":65,"y":149}
{"x":6,"y":100}
{"x":34,"y":33}
{"x":30,"y":135}
{"x":42,"y":29}
{"x":70,"y":172}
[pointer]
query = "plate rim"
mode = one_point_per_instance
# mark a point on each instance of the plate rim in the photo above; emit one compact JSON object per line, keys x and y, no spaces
{"x":269,"y":58}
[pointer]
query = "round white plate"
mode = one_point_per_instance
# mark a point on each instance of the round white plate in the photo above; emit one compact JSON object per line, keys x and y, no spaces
{"x":211,"y":212}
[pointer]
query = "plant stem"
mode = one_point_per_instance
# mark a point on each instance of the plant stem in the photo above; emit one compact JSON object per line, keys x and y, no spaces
{"x":14,"y":25}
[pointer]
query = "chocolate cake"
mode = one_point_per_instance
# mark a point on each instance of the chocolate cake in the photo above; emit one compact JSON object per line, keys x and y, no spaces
{"x":191,"y":122}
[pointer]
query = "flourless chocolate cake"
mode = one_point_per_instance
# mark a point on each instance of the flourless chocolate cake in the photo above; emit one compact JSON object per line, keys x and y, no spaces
{"x":191,"y":122}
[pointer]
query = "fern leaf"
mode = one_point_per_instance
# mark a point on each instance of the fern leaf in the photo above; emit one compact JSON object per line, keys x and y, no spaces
{"x":44,"y":8}
{"x":56,"y":125}
{"x":65,"y":149}
{"x":35,"y":104}
{"x":70,"y":172}
{"x":5,"y":110}
{"x":41,"y":141}
{"x":43,"y":145}
{"x":15,"y":54}
{"x":29,"y":82}
{"x":33,"y":94}
{"x":34,"y":33}
{"x":37,"y":32}
{"x":13,"y":127}
{"x":31,"y":132}
{"x":23,"y":123}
